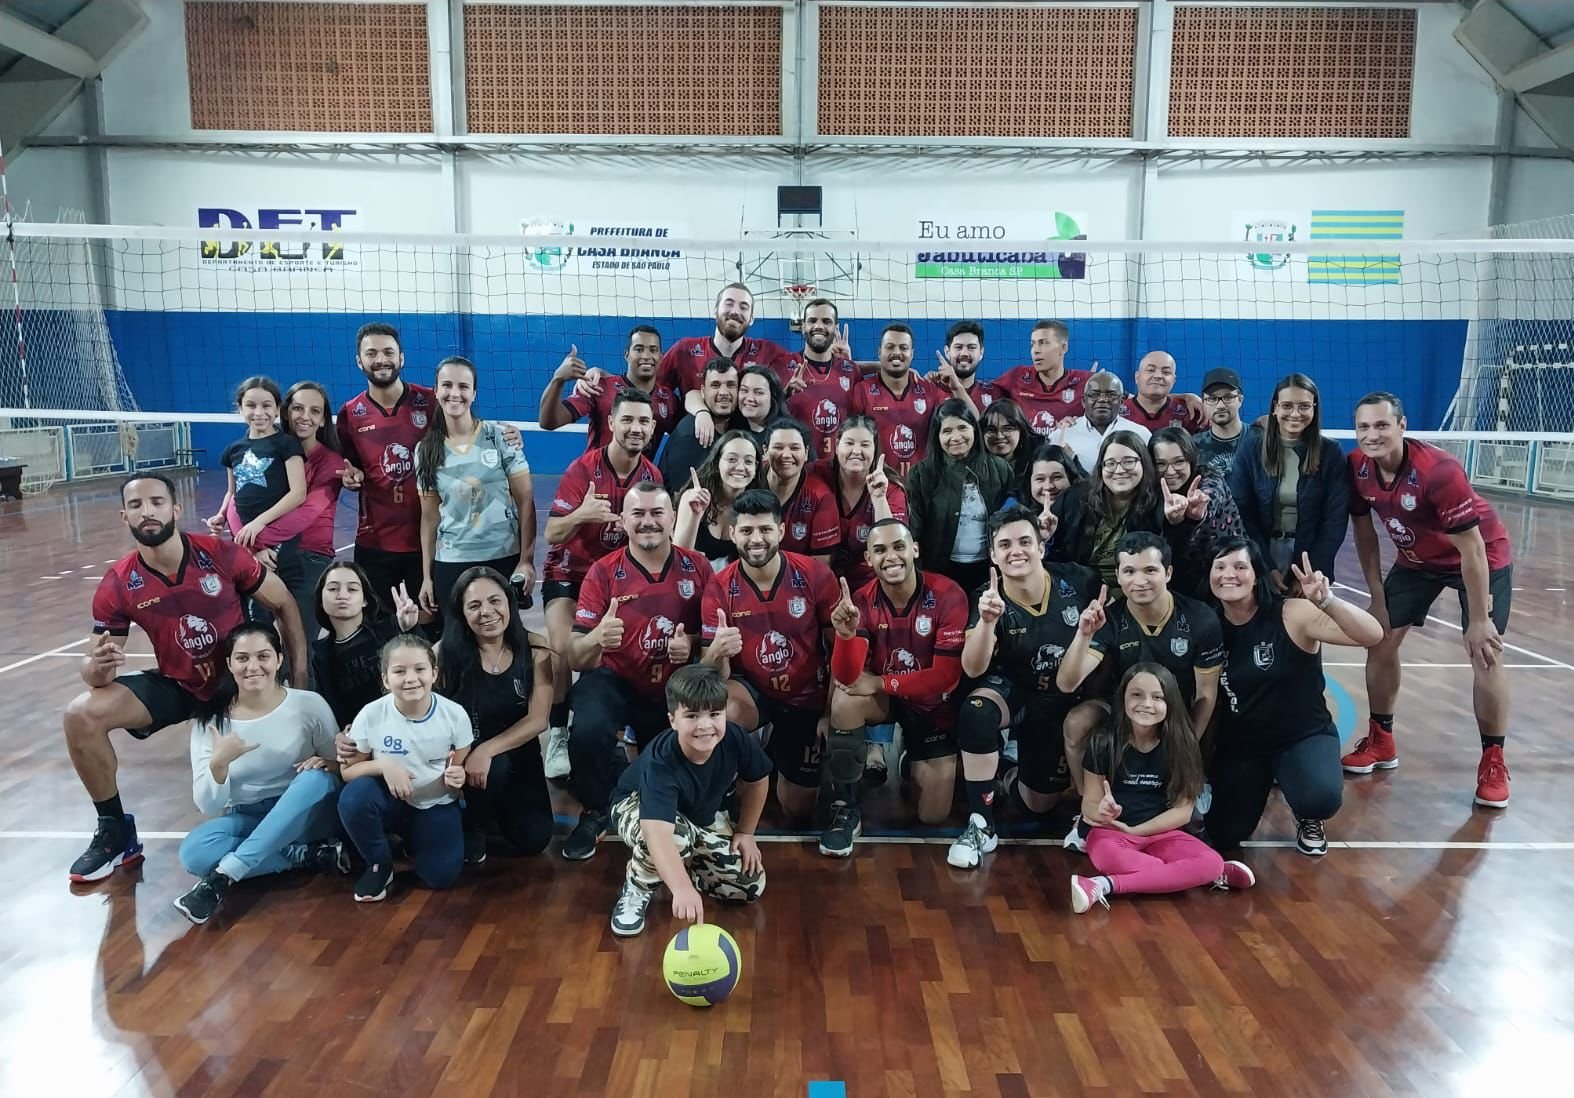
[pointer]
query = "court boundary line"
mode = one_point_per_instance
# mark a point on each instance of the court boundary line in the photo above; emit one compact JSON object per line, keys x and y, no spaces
{"x":784,"y":838}
{"x":1459,"y":629}
{"x":58,"y":650}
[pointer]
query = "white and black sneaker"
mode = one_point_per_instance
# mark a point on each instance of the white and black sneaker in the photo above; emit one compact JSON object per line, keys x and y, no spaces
{"x":554,"y":752}
{"x":580,"y":844}
{"x":628,"y":915}
{"x":1074,"y":840}
{"x":331,"y":857}
{"x":976,"y":840}
{"x":203,"y":898}
{"x":1310,"y":839}
{"x":114,"y":844}
{"x":836,"y":841}
{"x":373,"y":885}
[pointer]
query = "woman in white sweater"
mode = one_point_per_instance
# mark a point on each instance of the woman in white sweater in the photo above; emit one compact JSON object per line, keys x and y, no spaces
{"x":262,"y":765}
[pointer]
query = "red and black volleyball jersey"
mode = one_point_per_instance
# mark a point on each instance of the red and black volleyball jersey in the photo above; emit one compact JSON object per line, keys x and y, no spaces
{"x":597,"y":410}
{"x":187,"y":615}
{"x":904,"y":641}
{"x":856,"y":522}
{"x":381,"y":442}
{"x":981,"y":394}
{"x":1043,"y":405}
{"x":903,"y":420}
{"x":683,"y":366}
{"x":810,"y":523}
{"x":1430,"y":497}
{"x":1172,"y":414}
{"x":825,"y":401}
{"x":784,"y":655}
{"x":652,"y":607}
{"x":591,"y":474}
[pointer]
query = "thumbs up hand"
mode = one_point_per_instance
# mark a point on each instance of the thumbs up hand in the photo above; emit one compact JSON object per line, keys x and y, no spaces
{"x":680,"y":646}
{"x":728,"y":641}
{"x":609,"y":634}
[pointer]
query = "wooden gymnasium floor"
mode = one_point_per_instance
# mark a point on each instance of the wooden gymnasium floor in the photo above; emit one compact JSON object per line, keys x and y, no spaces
{"x":1427,"y":955}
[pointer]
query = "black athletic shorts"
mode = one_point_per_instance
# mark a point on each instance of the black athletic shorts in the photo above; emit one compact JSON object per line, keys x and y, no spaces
{"x":1410,"y":593}
{"x":926,"y":733}
{"x":388,"y":570}
{"x":794,"y":746}
{"x":552,"y":590}
{"x":1040,"y":726}
{"x":166,"y":701}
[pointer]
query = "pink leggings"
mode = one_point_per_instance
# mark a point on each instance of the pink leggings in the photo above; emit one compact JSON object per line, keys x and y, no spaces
{"x":1171,"y":861}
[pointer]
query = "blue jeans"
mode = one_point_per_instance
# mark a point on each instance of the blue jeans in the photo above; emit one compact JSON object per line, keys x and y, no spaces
{"x":251,"y":840}
{"x":435,"y":836}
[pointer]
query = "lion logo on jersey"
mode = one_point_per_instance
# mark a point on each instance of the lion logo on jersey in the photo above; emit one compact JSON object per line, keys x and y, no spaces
{"x":197,"y":635}
{"x":774,"y":652}
{"x":901,"y":662}
{"x":1402,"y":535}
{"x":397,"y":464}
{"x":1043,"y":422}
{"x":903,"y":444}
{"x":827,"y":416}
{"x":1047,"y":658}
{"x":657,"y":633}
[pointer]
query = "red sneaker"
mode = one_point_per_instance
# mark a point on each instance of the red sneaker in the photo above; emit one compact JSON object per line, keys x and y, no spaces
{"x":1375,"y":751}
{"x":1492,"y":779}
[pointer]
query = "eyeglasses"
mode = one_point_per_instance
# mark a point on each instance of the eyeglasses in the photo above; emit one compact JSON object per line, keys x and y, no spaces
{"x":1305,"y":407}
{"x":1221,"y":398}
{"x":1002,"y":429}
{"x":1125,"y":465}
{"x":1104,"y":394}
{"x":1161,"y":466}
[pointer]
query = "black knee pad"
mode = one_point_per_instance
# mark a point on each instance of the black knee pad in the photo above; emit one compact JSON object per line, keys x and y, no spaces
{"x":845,"y":751}
{"x":978,"y":727}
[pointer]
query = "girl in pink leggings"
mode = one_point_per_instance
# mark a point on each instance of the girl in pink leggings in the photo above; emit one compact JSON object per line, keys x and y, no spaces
{"x":1142,"y":777}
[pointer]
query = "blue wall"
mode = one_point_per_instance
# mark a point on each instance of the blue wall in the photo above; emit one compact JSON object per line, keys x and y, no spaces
{"x":190,"y":361}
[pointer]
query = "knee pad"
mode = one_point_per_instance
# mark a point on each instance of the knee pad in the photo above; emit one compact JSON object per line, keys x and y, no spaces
{"x":845,"y":751}
{"x":978,"y":727}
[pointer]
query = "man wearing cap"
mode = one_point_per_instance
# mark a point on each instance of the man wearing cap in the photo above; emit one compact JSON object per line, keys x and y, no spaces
{"x":1221,"y":403}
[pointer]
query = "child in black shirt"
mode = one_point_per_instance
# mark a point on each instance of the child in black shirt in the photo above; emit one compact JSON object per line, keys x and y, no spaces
{"x":668,"y":807}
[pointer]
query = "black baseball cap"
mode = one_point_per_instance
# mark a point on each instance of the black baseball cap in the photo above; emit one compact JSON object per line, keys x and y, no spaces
{"x":1223,"y":375}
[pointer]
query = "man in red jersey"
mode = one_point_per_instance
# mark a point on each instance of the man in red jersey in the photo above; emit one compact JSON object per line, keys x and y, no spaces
{"x":898,"y":400}
{"x":583,"y":526}
{"x":1048,"y":393}
{"x":820,"y":387}
{"x":898,"y":657}
{"x":1155,"y":404}
{"x":186,"y":591}
{"x":593,"y":402}
{"x":685,"y":360}
{"x":766,"y":621}
{"x":638,"y":615}
{"x":1446,"y":536}
{"x":959,"y":363}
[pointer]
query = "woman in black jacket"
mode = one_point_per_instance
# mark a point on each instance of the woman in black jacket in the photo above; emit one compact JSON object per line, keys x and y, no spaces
{"x":952,"y":492}
{"x":1292,"y":485}
{"x":1122,"y":494}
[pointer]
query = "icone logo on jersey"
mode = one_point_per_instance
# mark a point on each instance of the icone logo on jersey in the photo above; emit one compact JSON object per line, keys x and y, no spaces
{"x":197,"y":635}
{"x":774,"y":652}
{"x":397,"y":465}
{"x":657,"y":633}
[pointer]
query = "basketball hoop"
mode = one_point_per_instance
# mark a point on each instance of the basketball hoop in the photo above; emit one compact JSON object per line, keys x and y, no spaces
{"x":801,"y":293}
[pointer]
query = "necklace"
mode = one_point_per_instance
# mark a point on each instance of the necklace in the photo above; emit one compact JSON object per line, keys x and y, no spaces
{"x":497,"y":664}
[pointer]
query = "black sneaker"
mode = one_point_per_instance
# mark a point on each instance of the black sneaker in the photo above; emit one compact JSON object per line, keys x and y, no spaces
{"x":628,"y":915}
{"x":373,"y":885}
{"x":1309,"y":838}
{"x":330,"y":858}
{"x":114,"y":843}
{"x":581,"y":842}
{"x":475,"y":847}
{"x":204,"y":897}
{"x":836,"y":841}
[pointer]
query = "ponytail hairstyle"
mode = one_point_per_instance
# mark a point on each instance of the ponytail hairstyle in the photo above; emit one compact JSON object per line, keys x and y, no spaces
{"x":1112,"y":739}
{"x":433,"y":448}
{"x":216,"y":709}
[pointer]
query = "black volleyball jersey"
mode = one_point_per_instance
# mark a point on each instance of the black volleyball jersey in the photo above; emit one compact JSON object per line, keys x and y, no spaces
{"x":1272,"y":689}
{"x":1189,"y":641}
{"x":1031,"y":640}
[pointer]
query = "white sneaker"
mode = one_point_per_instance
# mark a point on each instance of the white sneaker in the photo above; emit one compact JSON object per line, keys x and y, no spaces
{"x":554,"y":752}
{"x":1074,"y":840}
{"x":628,"y":914}
{"x":975,"y":841}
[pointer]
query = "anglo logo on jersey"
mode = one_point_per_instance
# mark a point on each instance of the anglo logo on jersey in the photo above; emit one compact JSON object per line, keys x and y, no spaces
{"x":613,"y":535}
{"x":903,"y":444}
{"x":397,"y":463}
{"x":1043,"y":422}
{"x":827,"y":416}
{"x":774,"y":652}
{"x":197,"y":635}
{"x":1401,"y":534}
{"x":657,"y":633}
{"x":901,"y":662}
{"x":1047,"y":658}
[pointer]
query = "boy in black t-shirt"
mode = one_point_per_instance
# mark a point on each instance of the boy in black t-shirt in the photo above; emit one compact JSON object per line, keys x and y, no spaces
{"x":668,"y":807}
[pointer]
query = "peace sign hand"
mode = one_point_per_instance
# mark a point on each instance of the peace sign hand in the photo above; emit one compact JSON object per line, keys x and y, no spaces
{"x":842,"y":345}
{"x":406,"y":612}
{"x":798,"y":383}
{"x":990,"y":604}
{"x":1315,"y":587}
{"x":1093,"y":618}
{"x":876,"y":481}
{"x":844,"y":615}
{"x":1174,"y":505}
{"x":1196,"y":500}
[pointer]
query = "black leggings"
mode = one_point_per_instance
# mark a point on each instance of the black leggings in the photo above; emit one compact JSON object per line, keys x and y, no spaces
{"x":604,"y":704}
{"x":1308,"y":773}
{"x":516,"y":799}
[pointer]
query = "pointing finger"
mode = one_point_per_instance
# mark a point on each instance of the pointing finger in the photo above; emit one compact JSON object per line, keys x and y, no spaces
{"x":845,"y":596}
{"x":1103,"y":593}
{"x":994,"y":581}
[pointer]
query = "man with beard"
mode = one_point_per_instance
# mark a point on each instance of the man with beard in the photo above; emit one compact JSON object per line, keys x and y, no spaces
{"x":1155,"y":405}
{"x":684,"y":363}
{"x":638,"y":615}
{"x":1221,"y":402}
{"x":819,"y":390}
{"x":593,"y":403}
{"x":378,"y":433}
{"x":766,"y":622}
{"x":684,"y":451}
{"x":582,"y":527}
{"x":1049,"y":394}
{"x":1021,"y":625}
{"x":186,"y":592}
{"x":897,"y":658}
{"x":1101,"y":405}
{"x":899,"y":401}
{"x":959,"y":362}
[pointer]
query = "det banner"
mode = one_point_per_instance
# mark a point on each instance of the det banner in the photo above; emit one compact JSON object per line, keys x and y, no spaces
{"x":962,"y":245}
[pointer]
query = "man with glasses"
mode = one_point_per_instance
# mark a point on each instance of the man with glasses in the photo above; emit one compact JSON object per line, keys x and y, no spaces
{"x":1101,"y":408}
{"x":1221,"y":403}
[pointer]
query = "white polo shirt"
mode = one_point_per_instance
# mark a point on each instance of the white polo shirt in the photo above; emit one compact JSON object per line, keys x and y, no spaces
{"x":1084,"y":441}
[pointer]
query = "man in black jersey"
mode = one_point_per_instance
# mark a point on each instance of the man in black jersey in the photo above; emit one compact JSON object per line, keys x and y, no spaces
{"x":1020,"y":627}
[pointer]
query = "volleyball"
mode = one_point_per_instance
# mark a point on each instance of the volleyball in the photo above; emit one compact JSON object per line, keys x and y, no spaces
{"x":702,"y":965}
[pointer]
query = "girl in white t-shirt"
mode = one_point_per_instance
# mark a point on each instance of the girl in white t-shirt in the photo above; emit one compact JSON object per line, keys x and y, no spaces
{"x":406,"y":773}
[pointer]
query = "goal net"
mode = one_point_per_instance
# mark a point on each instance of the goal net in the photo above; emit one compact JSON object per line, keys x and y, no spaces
{"x":1474,"y":335}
